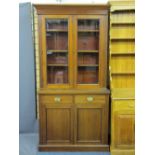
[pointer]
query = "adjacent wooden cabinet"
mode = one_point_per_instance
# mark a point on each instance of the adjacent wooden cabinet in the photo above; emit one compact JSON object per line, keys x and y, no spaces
{"x":123,"y":126}
{"x":122,"y":76}
{"x":73,"y":98}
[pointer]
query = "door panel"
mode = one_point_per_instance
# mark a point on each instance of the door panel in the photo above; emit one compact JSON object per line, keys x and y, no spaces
{"x":91,"y":123}
{"x":124,"y":129}
{"x":57,"y":123}
{"x":86,"y":120}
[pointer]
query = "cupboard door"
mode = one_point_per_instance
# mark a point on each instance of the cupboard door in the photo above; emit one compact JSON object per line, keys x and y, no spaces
{"x":124,"y":129}
{"x":90,"y":51}
{"x":56,"y":123}
{"x":91,"y":123}
{"x":56,"y":45}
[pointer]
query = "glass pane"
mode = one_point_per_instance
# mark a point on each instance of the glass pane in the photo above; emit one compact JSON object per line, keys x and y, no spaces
{"x":57,"y":58}
{"x":57,"y":51}
{"x":88,"y":58}
{"x":87,"y":75}
{"x":88,"y":24}
{"x":57,"y":40}
{"x":57,"y":24}
{"x":88,"y":51}
{"x":57,"y":74}
{"x":88,"y":41}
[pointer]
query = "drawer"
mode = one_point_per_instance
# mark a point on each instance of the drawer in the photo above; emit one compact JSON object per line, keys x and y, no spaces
{"x":123,"y":104}
{"x":90,"y":99}
{"x":56,"y":98}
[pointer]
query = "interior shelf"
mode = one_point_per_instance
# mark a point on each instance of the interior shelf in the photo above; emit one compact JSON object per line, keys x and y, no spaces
{"x":123,"y":39}
{"x":57,"y":65}
{"x":88,"y":65}
{"x":56,"y":51}
{"x":56,"y":30}
{"x":88,"y":30}
{"x":123,"y":23}
{"x":122,"y":53}
{"x":88,"y":51}
{"x":122,"y":73}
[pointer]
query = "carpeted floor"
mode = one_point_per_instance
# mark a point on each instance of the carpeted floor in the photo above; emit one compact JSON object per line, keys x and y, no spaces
{"x":28,"y":146}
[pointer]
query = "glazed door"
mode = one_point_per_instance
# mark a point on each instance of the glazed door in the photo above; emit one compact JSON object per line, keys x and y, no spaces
{"x":56,"y":51}
{"x":90,"y":51}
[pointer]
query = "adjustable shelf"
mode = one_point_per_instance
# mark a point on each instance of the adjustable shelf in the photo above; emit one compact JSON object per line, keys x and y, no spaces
{"x":56,"y":51}
{"x":122,"y":73}
{"x":122,"y":54}
{"x":57,"y":65}
{"x":88,"y":65}
{"x":124,"y":23}
{"x":56,"y":30}
{"x":88,"y":30}
{"x":123,"y":39}
{"x":88,"y":51}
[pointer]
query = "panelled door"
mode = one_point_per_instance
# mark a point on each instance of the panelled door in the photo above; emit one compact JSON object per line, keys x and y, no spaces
{"x":124,"y":129}
{"x":91,"y":119}
{"x":56,"y":119}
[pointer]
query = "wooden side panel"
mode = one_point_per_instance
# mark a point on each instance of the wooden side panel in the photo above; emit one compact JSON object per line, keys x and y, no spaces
{"x":123,"y":81}
{"x":123,"y":18}
{"x":121,"y":32}
{"x":123,"y":64}
{"x":122,"y":46}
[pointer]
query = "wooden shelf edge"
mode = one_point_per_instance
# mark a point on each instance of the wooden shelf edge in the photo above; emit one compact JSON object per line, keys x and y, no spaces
{"x":122,"y":23}
{"x":123,"y":73}
{"x":57,"y":65}
{"x":88,"y":30}
{"x":89,"y":65}
{"x":88,"y":51}
{"x":57,"y":51}
{"x":56,"y":30}
{"x":122,"y":39}
{"x":122,"y":53}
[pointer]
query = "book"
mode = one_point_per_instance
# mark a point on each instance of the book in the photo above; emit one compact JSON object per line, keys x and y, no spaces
{"x":88,"y":42}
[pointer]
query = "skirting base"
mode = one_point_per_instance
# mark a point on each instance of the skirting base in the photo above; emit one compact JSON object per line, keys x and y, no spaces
{"x":122,"y":152}
{"x":93,"y":148}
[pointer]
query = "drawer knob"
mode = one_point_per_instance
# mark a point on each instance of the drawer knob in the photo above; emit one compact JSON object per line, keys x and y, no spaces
{"x":57,"y":99}
{"x":90,"y":98}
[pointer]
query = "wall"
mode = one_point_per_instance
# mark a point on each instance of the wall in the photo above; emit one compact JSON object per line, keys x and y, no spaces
{"x":27,"y":105}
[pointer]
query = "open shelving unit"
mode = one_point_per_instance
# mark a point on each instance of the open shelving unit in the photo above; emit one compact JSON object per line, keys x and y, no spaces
{"x":122,"y":76}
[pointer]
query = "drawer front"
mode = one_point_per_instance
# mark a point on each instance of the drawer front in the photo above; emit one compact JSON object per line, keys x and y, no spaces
{"x":90,"y":99}
{"x":56,"y":98}
{"x":123,"y":104}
